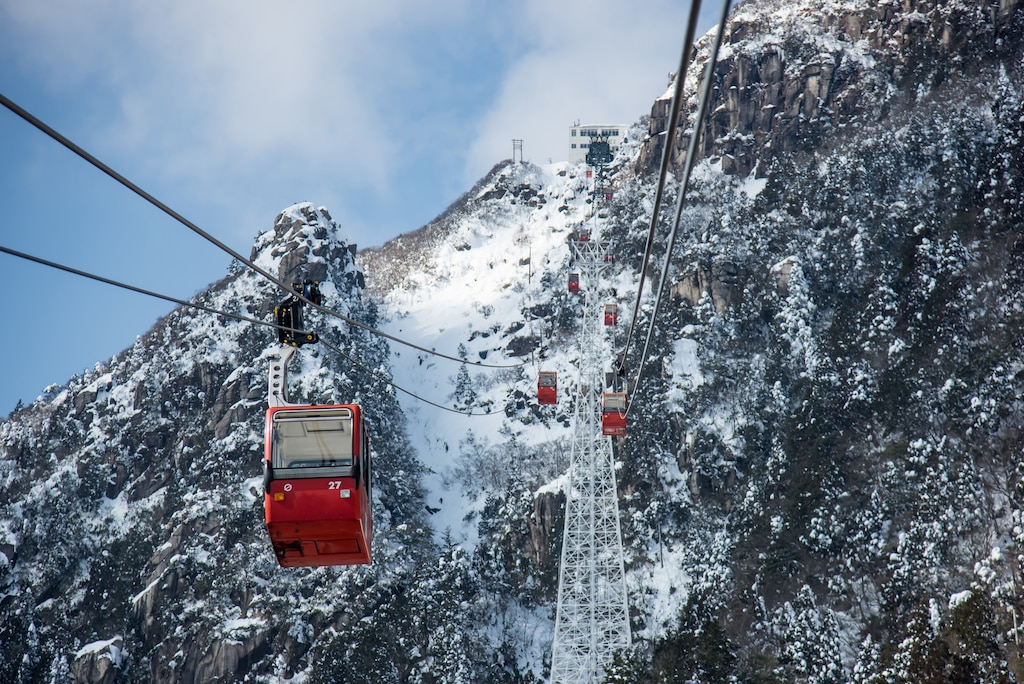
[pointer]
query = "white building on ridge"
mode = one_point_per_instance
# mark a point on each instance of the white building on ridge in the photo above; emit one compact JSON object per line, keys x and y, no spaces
{"x":580,"y":137}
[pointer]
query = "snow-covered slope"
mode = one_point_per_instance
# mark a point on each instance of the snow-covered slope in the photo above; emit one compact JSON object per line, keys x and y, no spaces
{"x":494,"y":292}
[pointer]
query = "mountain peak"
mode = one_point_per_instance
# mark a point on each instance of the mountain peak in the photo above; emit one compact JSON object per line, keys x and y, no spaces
{"x":304,"y":242}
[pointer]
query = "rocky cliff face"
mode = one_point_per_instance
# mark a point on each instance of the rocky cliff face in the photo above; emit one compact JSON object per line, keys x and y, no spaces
{"x":777,"y":93}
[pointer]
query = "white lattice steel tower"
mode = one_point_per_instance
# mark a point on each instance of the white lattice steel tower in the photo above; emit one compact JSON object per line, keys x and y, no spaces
{"x":592,"y":621}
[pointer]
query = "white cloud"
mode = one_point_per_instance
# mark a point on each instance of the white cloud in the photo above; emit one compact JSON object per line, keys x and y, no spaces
{"x":313,"y":100}
{"x":265,"y":84}
{"x":207,"y":85}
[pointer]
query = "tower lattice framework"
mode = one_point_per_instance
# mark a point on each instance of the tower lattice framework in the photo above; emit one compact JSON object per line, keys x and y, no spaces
{"x":592,"y":621}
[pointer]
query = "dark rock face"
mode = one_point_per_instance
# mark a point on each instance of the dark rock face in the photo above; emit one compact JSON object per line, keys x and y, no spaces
{"x":545,"y":527}
{"x":776,"y":94}
{"x":302,"y":246}
{"x":100,"y":664}
{"x":722,"y":281}
{"x":847,"y":322}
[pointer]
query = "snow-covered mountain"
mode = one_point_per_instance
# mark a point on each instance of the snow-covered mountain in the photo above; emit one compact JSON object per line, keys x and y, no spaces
{"x":821,"y":480}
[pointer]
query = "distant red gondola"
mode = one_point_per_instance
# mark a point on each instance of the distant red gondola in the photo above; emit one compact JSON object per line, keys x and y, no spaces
{"x":547,"y":387}
{"x":611,"y":314}
{"x":574,"y":282}
{"x":613,"y":414}
{"x":317,"y":485}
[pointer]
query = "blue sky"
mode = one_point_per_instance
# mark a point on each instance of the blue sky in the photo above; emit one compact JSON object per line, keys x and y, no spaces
{"x":228,"y":112}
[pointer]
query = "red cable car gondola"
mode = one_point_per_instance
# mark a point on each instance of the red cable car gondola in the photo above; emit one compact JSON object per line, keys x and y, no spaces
{"x":574,"y":282}
{"x":613,"y":414}
{"x":547,"y":387}
{"x":611,"y":314}
{"x":317,"y":475}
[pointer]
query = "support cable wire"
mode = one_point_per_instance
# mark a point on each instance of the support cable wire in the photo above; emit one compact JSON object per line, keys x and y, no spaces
{"x":380,"y":377}
{"x":238,"y":317}
{"x":666,"y":155}
{"x":691,"y":155}
{"x":63,"y":140}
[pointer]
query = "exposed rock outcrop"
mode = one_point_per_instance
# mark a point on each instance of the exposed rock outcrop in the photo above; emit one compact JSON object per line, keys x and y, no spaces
{"x":722,"y":280}
{"x":776,"y":94}
{"x":544,"y":524}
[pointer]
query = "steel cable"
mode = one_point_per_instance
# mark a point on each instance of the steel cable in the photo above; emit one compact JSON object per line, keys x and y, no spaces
{"x":91,"y":159}
{"x":208,"y":309}
{"x":691,"y":155}
{"x":666,"y":154}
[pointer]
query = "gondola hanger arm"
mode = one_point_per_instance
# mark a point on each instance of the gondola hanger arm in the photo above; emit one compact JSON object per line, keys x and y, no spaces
{"x":277,"y":377}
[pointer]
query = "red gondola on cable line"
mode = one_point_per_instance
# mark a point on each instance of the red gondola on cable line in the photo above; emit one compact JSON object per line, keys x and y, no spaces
{"x":611,"y":314}
{"x":613,"y":414}
{"x":547,"y":387}
{"x":584,"y":235}
{"x":317,"y":485}
{"x":574,"y":282}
